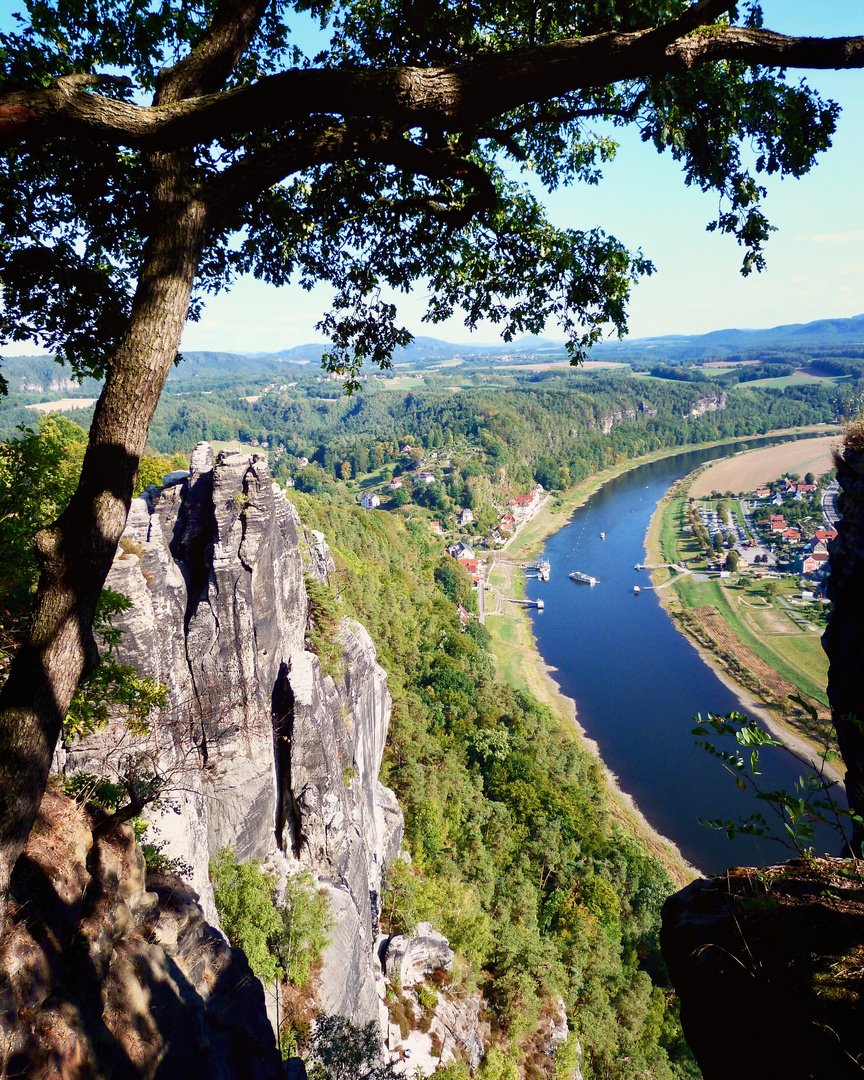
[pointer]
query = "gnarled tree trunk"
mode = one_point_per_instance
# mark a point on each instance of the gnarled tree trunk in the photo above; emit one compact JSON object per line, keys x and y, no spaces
{"x":76,"y":552}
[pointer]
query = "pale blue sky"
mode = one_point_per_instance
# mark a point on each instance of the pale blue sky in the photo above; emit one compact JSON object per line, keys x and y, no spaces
{"x":815,"y":260}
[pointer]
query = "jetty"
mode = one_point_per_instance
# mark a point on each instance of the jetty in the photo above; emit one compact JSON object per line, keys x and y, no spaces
{"x":525,"y":603}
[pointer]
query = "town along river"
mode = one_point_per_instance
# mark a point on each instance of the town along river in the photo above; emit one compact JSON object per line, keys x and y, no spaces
{"x":638,"y":682}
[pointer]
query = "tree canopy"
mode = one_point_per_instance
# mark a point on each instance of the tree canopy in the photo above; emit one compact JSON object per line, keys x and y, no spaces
{"x":153,"y":151}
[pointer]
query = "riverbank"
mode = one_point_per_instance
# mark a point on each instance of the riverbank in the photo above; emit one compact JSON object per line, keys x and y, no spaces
{"x":518,"y":664}
{"x":769,"y":714}
{"x":556,"y":512}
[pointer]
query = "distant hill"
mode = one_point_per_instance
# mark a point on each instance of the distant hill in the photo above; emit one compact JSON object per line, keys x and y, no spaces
{"x":821,"y":334}
{"x":39,"y":375}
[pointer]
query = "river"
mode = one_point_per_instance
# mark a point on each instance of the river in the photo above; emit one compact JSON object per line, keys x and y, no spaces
{"x":638,"y":682}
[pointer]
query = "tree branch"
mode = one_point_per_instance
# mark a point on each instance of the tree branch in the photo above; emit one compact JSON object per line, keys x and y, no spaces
{"x":452,"y":98}
{"x":207,"y":66}
{"x":262,"y":169}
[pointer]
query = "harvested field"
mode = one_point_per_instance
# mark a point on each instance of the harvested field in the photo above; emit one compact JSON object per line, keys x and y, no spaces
{"x":588,"y":365}
{"x":712,"y":624}
{"x":64,"y":405}
{"x":750,"y":470}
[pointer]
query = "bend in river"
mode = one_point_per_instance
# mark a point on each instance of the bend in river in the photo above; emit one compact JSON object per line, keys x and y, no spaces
{"x":638,"y":682}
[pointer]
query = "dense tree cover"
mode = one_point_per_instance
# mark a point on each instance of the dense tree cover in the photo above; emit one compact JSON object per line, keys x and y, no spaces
{"x":491,"y":441}
{"x":515,"y":854}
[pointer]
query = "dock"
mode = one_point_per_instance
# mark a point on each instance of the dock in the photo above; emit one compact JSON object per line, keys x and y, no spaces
{"x":525,"y":603}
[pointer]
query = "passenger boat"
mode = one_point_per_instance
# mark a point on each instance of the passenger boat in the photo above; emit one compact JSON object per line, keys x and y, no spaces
{"x":582,"y":579}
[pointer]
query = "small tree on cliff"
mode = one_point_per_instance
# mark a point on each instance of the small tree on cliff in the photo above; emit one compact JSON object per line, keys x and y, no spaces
{"x":378,"y":162}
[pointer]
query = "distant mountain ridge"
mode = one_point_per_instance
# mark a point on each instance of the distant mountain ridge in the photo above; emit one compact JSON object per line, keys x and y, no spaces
{"x":35,"y":374}
{"x":823,"y":333}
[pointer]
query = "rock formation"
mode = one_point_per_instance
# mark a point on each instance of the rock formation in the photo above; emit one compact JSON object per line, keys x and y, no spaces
{"x":104,"y":976}
{"x":768,"y":966}
{"x":258,"y":748}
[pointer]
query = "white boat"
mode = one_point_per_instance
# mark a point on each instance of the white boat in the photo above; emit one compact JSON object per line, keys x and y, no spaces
{"x":582,"y":579}
{"x":602,"y":535}
{"x":635,"y":590}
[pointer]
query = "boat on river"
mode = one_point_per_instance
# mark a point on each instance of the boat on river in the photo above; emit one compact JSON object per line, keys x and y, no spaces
{"x":582,"y":579}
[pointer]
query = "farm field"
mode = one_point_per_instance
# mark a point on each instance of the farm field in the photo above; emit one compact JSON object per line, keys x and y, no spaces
{"x":64,"y":405}
{"x":750,"y":470}
{"x":800,"y":378}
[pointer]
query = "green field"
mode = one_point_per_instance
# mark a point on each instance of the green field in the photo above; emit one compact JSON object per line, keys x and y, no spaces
{"x":763,"y":626}
{"x":792,"y":380}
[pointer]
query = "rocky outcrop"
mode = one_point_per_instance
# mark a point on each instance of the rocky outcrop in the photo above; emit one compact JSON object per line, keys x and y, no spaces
{"x":713,"y":403}
{"x":768,"y":966}
{"x":608,"y":422}
{"x":410,"y":959}
{"x":106,"y":974}
{"x":258,"y":749}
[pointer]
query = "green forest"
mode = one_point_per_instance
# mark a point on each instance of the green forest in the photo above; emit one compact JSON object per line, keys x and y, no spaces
{"x":514,"y":855}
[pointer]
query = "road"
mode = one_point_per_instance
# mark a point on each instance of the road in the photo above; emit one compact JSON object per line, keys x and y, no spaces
{"x":829,"y":504}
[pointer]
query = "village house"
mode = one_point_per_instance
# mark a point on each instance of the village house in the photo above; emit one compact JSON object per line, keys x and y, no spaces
{"x":524,"y":504}
{"x":790,"y":534}
{"x":369,"y":500}
{"x":424,"y":478}
{"x":763,"y":493}
{"x":777,"y":523}
{"x":464,"y":617}
{"x":824,"y":536}
{"x":436,"y":528}
{"x":507,"y":523}
{"x":471,"y":566}
{"x":461,"y":550}
{"x":814,"y":563}
{"x":396,"y":483}
{"x":466,"y":517}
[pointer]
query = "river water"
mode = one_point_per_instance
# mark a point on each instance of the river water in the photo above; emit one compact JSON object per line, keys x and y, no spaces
{"x":638,"y":682}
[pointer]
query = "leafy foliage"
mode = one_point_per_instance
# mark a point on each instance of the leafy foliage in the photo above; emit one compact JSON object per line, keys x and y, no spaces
{"x":515,"y":856}
{"x":112,"y":687}
{"x":280,"y":941}
{"x":344,"y":1051}
{"x":793,"y":813}
{"x":447,"y":205}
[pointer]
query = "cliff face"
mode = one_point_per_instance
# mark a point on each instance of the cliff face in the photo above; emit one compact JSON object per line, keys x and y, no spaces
{"x":259,"y":749}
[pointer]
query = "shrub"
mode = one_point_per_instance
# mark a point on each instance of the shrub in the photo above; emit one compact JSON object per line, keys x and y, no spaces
{"x":279,"y":942}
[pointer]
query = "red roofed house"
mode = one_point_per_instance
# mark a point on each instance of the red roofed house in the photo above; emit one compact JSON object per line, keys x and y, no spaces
{"x":524,"y":504}
{"x":790,"y":534}
{"x":804,"y":488}
{"x":817,"y":561}
{"x":471,"y":566}
{"x":825,"y":535}
{"x":436,"y":528}
{"x":762,"y":493}
{"x":777,"y":523}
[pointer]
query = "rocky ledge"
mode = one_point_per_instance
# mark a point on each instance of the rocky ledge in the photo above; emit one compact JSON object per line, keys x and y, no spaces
{"x":106,"y":974}
{"x":258,"y":748}
{"x":769,"y":966}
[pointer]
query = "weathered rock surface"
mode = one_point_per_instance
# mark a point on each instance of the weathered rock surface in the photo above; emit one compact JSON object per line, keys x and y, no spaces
{"x":411,"y":959}
{"x":104,"y":974}
{"x":259,"y":750}
{"x":769,"y":966}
